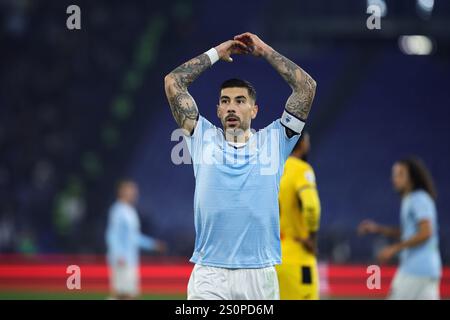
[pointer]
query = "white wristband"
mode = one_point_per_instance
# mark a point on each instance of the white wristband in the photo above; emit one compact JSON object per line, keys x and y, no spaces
{"x":291,"y":122}
{"x":213,"y":55}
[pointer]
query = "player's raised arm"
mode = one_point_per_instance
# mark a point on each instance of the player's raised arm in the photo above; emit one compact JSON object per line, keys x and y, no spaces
{"x":302,"y":84}
{"x":176,"y":83}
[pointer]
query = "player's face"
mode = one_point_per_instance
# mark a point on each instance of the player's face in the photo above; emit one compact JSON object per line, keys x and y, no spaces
{"x":400,"y":177}
{"x":236,"y":109}
{"x":130,"y":192}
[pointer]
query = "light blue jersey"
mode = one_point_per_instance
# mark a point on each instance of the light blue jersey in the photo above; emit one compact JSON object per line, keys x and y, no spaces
{"x":423,"y":260}
{"x":123,"y":235}
{"x":236,"y":196}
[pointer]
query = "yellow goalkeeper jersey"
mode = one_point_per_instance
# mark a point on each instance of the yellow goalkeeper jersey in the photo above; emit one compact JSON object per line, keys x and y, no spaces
{"x":299,"y":210}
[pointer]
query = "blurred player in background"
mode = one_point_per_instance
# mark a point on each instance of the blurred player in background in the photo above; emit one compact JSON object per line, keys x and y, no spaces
{"x":236,"y":210}
{"x":299,"y":223}
{"x":124,"y":239}
{"x":420,"y":268}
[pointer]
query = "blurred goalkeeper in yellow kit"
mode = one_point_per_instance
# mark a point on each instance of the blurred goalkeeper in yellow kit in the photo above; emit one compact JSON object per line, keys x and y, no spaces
{"x":299,"y":222}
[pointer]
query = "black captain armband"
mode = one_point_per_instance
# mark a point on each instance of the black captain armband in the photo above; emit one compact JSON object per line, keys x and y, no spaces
{"x":292,"y":122}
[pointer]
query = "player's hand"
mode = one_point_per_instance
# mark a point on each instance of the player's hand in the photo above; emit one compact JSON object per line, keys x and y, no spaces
{"x":161,"y":246}
{"x":256,"y":46}
{"x":308,"y":244}
{"x":387,"y":253}
{"x":227,"y":48}
{"x":367,"y":227}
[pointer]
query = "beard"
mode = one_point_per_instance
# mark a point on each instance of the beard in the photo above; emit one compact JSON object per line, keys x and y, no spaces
{"x":237,"y":127}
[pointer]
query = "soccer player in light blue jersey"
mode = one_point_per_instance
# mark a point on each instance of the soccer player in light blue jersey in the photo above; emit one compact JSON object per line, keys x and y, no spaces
{"x":124,"y":240}
{"x":420,"y":268}
{"x":237,"y":173}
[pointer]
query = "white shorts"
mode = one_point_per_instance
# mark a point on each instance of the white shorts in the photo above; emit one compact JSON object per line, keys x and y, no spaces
{"x":407,"y":287}
{"x":212,"y":283}
{"x":125,"y":280}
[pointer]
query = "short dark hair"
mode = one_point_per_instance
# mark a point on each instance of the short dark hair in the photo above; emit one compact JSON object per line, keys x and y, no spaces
{"x":419,"y":175}
{"x":238,"y":83}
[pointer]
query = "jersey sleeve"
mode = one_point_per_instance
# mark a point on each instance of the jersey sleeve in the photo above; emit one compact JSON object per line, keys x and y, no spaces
{"x":146,"y":242}
{"x":305,"y":178}
{"x":275,"y":133}
{"x":203,"y":129}
{"x":286,"y":144}
{"x":311,"y":208}
{"x":309,"y":197}
{"x":422,"y":207}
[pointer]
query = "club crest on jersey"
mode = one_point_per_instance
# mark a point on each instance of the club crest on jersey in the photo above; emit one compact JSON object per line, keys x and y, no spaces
{"x":309,"y":175}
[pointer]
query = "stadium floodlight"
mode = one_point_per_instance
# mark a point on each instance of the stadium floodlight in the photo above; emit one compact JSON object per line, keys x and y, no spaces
{"x":415,"y":45}
{"x":380,"y":4}
{"x":425,"y":7}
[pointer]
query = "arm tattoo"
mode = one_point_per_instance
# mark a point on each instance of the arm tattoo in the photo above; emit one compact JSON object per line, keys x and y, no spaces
{"x":303,"y":86}
{"x":183,"y":106}
{"x":189,"y":71}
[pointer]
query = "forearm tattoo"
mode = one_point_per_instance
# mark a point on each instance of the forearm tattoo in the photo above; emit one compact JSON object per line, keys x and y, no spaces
{"x":183,"y":106}
{"x":303,"y":86}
